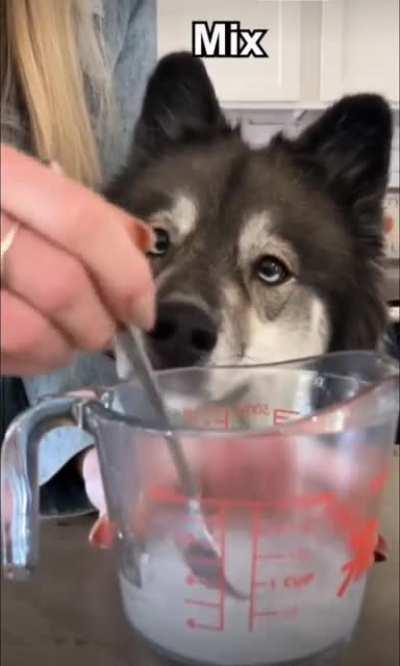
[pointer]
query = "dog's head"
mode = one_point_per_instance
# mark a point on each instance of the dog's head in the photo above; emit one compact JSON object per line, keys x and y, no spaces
{"x":262,"y":255}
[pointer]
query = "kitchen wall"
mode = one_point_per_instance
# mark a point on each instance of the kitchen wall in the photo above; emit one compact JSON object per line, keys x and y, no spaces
{"x":317,"y":50}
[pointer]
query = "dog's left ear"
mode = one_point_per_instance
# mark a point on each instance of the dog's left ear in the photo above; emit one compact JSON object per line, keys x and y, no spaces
{"x":350,"y":146}
{"x":346,"y":153}
{"x":180,"y":106}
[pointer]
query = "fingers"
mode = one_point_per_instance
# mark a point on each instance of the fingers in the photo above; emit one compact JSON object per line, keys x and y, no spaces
{"x":59,"y":289}
{"x":93,"y":482}
{"x":104,"y":238}
{"x":103,"y":533}
{"x":29,"y":343}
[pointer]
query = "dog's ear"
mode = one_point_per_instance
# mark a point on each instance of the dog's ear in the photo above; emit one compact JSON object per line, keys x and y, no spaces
{"x":346,"y":152}
{"x":350,"y":145}
{"x":180,"y":106}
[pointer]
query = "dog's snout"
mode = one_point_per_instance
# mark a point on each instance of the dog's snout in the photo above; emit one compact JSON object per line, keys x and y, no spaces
{"x":184,"y":334}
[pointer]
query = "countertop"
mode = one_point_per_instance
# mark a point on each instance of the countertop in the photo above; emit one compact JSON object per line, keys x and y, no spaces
{"x":70,"y":612}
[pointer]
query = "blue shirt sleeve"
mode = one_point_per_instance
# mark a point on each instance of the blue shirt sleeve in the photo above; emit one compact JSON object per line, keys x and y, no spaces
{"x":130,"y":28}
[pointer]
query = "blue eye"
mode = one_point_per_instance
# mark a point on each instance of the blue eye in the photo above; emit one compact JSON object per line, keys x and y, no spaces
{"x":162,"y":243}
{"x":272,"y":271}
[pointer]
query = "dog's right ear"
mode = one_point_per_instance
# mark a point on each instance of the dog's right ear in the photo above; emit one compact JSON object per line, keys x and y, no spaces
{"x":180,"y":106}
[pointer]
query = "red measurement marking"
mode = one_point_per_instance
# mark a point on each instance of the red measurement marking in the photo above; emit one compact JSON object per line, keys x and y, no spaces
{"x":311,"y":501}
{"x":253,"y":410}
{"x":283,"y":415}
{"x":226,"y":420}
{"x":299,"y":582}
{"x":168,"y":496}
{"x":217,"y":604}
{"x":303,"y":554}
{"x":223,"y":560}
{"x":193,"y":581}
{"x":273,"y":556}
{"x":271,"y":584}
{"x":286,"y":614}
{"x":193,"y":624}
{"x":363,"y":545}
{"x":204,"y":604}
{"x":254,"y":583}
{"x":290,"y":582}
{"x":209,"y":417}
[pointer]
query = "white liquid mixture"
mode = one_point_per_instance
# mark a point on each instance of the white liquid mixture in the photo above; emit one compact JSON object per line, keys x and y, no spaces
{"x":294,"y":610}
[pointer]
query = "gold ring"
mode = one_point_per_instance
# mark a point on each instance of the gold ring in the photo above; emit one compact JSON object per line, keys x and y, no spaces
{"x":6,"y":244}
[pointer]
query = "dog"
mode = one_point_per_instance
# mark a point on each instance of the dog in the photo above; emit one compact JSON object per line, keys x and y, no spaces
{"x":261,"y":255}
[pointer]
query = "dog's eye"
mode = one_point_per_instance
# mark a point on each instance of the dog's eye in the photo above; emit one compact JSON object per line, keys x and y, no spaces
{"x":161,"y":246}
{"x":272,"y":271}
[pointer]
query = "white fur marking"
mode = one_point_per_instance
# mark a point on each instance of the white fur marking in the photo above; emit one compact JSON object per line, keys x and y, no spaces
{"x":184,"y":215}
{"x":254,"y":235}
{"x":258,"y":237}
{"x":285,"y":339}
{"x":181,"y":218}
{"x":275,"y":341}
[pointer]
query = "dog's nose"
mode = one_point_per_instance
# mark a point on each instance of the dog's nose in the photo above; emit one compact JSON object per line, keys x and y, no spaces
{"x":184,"y":334}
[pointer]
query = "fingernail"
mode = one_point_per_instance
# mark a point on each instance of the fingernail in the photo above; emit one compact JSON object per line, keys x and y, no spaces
{"x":102,"y":534}
{"x":143,"y":236}
{"x":143,"y":311}
{"x":146,"y":238}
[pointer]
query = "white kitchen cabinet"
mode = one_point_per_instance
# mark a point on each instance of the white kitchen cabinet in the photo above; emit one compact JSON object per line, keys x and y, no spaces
{"x":241,"y":80}
{"x":360,"y":48}
{"x":318,"y":51}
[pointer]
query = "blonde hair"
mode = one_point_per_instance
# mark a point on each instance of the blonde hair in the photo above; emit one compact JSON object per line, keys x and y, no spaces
{"x":53,"y":67}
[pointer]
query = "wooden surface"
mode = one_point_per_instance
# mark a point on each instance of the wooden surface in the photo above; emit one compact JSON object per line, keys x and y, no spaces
{"x":70,"y":613}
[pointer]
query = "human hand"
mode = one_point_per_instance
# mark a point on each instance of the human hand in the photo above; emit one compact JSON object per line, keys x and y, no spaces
{"x":101,"y":534}
{"x":76,"y":269}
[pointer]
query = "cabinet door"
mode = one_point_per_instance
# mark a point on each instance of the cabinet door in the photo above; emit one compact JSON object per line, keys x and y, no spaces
{"x":360,"y":48}
{"x":241,"y":80}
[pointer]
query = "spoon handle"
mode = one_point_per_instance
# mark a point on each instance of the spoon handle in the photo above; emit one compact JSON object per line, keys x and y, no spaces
{"x":132,"y":344}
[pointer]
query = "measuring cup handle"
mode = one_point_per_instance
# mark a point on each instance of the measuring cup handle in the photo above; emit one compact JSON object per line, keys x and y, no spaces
{"x":19,"y":480}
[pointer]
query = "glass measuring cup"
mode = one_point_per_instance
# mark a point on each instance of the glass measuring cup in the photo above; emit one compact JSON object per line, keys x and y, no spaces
{"x":291,"y":458}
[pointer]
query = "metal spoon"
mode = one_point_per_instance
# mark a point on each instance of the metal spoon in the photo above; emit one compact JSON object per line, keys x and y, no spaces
{"x":202,"y":554}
